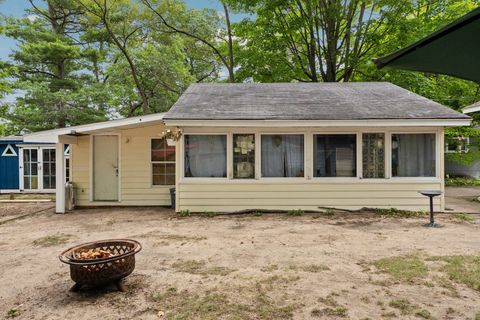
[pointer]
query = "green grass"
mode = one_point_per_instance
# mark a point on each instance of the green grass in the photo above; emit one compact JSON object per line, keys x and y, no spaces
{"x":200,"y":267}
{"x":462,"y":269}
{"x":397,"y":213}
{"x":424,"y":314}
{"x":462,"y":182}
{"x":184,"y":213}
{"x":402,"y":268}
{"x":340,"y":312}
{"x":52,"y":240}
{"x":295,"y":212}
{"x":12,"y":313}
{"x":463,"y":217}
{"x":313,"y":268}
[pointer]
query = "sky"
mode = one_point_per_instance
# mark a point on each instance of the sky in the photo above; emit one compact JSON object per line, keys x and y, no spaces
{"x":16,"y":8}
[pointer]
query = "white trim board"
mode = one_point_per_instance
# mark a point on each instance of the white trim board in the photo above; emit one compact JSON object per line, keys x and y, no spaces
{"x":320,"y":123}
{"x":10,"y":149}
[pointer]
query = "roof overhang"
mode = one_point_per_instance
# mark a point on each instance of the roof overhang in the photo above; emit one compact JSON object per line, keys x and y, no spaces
{"x":68,"y":135}
{"x":321,"y":123}
{"x":471,"y":109}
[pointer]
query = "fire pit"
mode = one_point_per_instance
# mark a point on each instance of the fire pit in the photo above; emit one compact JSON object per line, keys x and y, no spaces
{"x":98,"y":263}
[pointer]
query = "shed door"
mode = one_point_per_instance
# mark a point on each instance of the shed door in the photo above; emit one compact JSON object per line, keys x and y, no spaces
{"x":105,"y":168}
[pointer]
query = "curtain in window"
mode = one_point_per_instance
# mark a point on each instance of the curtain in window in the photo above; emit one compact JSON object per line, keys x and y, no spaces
{"x":282,"y":156}
{"x":206,"y":156}
{"x":413,"y":155}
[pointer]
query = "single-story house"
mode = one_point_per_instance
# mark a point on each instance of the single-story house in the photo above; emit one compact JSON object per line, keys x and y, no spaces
{"x":463,"y":145}
{"x":276,"y":146}
{"x":28,"y":167}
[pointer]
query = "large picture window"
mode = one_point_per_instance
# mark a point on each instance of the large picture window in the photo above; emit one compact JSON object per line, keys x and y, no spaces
{"x":373,"y":154}
{"x":206,"y":156}
{"x":282,"y":155}
{"x":334,"y":155}
{"x":163,"y":163}
{"x":243,"y":156}
{"x":413,"y":155}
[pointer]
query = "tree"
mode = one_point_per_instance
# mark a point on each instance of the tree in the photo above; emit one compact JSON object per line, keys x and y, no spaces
{"x":305,"y":40}
{"x":49,"y":69}
{"x":219,"y":38}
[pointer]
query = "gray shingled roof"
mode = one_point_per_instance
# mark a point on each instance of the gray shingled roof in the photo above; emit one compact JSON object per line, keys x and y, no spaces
{"x":305,"y":101}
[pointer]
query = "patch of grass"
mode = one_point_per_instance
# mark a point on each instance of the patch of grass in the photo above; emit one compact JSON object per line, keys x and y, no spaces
{"x":447,"y":284}
{"x":390,"y":314}
{"x":458,"y":181}
{"x":295,"y":212}
{"x":258,"y":213}
{"x":313,"y":268}
{"x":200,"y":267}
{"x":211,"y":214}
{"x":397,"y":213}
{"x":403,"y":305}
{"x":52,"y":240}
{"x":328,"y":212}
{"x":12,"y":313}
{"x":462,"y":269}
{"x":365,"y":299}
{"x":403,"y":268}
{"x":270,"y":268}
{"x":424,"y":314}
{"x":179,"y":237}
{"x":341,"y":312}
{"x":463,"y":217}
{"x":184,"y":213}
{"x":329,"y":300}
{"x":255,"y":303}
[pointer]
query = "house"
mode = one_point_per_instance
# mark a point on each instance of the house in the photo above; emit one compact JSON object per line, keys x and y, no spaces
{"x":265,"y":146}
{"x":463,"y":145}
{"x":27,"y":167}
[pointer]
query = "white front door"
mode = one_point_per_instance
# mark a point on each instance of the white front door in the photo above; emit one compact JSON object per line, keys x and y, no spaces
{"x":105,"y":168}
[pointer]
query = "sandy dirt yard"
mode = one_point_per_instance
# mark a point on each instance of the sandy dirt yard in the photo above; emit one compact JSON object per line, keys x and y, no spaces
{"x":257,"y":266}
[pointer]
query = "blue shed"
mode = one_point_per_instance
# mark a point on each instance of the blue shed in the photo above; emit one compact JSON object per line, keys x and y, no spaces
{"x":9,"y":163}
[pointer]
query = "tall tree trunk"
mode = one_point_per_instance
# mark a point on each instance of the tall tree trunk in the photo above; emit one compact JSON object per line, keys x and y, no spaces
{"x":230,"y":67}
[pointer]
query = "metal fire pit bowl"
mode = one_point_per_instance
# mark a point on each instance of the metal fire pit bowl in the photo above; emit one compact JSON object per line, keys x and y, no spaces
{"x":98,"y":272}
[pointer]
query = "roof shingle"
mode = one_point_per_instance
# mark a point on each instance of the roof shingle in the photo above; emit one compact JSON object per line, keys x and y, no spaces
{"x":305,"y":101}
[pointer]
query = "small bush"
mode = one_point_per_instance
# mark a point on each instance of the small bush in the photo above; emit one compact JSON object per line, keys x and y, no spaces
{"x":295,"y":212}
{"x":459,"y":181}
{"x":184,"y":213}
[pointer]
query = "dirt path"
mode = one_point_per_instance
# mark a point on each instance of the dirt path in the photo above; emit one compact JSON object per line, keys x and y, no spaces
{"x":237,"y":267}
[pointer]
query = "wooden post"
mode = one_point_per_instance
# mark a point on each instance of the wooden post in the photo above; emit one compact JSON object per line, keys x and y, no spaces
{"x":60,"y":178}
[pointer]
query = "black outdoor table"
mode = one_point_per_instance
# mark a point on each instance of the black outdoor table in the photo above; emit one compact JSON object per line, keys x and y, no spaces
{"x":431,"y":194}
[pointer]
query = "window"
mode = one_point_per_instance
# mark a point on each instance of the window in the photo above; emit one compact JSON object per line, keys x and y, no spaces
{"x":373,"y":154}
{"x":163,"y":163}
{"x":334,"y":155}
{"x":206,"y":156}
{"x":413,"y":155}
{"x":282,"y":155}
{"x":49,"y":168}
{"x":30,"y":169}
{"x":457,"y":145}
{"x":243,"y":156}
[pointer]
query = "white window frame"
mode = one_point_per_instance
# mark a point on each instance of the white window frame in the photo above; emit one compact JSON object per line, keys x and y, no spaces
{"x":357,"y":156}
{"x":39,"y":149}
{"x":467,"y":144}
{"x":438,"y":151}
{"x":229,"y":154}
{"x":281,"y":133}
{"x":161,"y":162}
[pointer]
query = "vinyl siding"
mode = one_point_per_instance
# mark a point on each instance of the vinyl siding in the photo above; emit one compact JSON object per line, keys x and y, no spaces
{"x":134,"y":170}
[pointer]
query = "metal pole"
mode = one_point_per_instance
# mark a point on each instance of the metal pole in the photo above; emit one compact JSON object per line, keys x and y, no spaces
{"x":432,"y":222}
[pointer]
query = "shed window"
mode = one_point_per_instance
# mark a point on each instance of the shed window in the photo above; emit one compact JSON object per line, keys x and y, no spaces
{"x":334,"y":155}
{"x":413,"y":155}
{"x":163,"y":163}
{"x":457,"y":145}
{"x":206,"y":156}
{"x":244,"y":156}
{"x":283,"y":155}
{"x":373,"y":154}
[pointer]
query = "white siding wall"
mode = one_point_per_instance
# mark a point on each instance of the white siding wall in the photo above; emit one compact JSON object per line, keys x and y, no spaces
{"x":226,"y":194}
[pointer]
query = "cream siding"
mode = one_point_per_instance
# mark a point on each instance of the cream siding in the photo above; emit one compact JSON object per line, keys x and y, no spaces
{"x":226,"y":194}
{"x":134,"y":170}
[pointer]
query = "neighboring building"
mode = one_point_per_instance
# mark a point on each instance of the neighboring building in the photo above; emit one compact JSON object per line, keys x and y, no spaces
{"x":27,"y":166}
{"x":266,"y":146}
{"x":463,"y":145}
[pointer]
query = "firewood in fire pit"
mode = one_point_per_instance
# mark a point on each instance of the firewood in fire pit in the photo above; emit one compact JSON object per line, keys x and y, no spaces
{"x":91,"y":254}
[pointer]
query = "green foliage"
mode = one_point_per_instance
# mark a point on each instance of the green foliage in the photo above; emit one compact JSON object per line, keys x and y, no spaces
{"x":397,"y":213}
{"x":295,"y":212}
{"x":463,"y":269}
{"x":184,"y":213}
{"x":463,"y":217}
{"x":462,"y":181}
